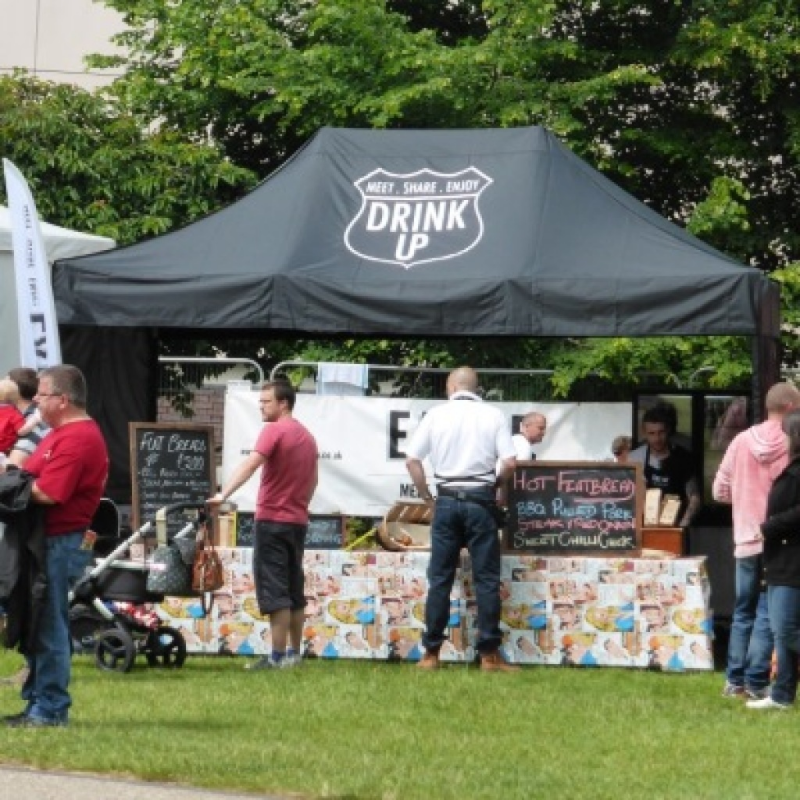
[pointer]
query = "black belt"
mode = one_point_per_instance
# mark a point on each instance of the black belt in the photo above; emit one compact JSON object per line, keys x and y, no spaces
{"x":479,"y":496}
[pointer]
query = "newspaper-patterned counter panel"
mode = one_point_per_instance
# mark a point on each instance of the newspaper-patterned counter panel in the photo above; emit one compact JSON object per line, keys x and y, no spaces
{"x":559,"y":611}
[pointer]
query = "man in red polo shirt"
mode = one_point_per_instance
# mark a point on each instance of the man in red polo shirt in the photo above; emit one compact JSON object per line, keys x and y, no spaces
{"x":70,"y":467}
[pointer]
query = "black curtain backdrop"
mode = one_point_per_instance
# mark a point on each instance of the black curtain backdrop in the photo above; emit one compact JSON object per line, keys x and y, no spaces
{"x":121,"y":369}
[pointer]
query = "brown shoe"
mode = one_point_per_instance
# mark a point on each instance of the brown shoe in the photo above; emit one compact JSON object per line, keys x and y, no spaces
{"x":429,"y":661}
{"x":494,"y":662}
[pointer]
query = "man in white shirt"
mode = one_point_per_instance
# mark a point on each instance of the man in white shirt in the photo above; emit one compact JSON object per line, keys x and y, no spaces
{"x":463,"y":440}
{"x":532,"y":428}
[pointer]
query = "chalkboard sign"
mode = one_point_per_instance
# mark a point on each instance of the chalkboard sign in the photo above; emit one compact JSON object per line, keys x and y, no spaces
{"x":245,"y":529}
{"x":575,"y":508}
{"x":325,"y":531}
{"x":170,"y":463}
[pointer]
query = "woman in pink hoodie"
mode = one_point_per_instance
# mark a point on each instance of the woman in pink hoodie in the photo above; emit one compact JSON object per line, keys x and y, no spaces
{"x":751,"y":463}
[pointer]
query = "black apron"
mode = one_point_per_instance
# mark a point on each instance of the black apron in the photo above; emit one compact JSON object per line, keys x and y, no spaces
{"x":671,"y":476}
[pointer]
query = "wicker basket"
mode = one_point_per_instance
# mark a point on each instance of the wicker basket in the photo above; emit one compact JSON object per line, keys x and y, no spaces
{"x":406,"y":526}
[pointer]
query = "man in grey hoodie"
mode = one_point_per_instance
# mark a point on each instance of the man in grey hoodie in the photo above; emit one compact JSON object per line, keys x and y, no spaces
{"x":751,"y":463}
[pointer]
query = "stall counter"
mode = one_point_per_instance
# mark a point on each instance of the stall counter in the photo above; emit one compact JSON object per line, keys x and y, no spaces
{"x":619,"y":612}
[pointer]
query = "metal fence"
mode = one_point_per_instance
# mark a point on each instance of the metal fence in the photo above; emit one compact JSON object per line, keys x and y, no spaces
{"x":183,"y":381}
{"x":509,"y":385}
{"x":182,"y":378}
{"x":193,"y":389}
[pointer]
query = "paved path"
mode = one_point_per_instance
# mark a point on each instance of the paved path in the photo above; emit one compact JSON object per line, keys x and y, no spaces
{"x":20,"y":783}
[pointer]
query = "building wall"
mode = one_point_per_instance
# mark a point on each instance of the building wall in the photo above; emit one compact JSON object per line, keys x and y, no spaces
{"x":50,"y":38}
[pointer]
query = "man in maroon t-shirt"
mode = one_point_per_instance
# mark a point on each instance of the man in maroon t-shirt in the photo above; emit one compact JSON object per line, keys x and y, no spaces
{"x":287,"y":454}
{"x":70,"y":467}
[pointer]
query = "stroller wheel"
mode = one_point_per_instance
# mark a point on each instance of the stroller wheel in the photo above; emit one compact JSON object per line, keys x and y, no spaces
{"x":165,"y":647}
{"x":114,"y":650}
{"x":85,"y":625}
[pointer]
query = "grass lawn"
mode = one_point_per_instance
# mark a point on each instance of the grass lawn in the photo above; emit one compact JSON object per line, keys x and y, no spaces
{"x":349,"y":729}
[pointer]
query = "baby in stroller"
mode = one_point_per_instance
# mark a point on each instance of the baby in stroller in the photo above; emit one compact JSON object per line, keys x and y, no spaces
{"x":110,"y":612}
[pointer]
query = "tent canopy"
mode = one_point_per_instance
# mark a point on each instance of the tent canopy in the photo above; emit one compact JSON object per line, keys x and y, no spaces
{"x":58,"y":243}
{"x":423,"y":233}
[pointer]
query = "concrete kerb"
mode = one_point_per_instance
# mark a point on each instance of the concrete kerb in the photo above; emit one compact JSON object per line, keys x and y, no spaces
{"x":23,"y":783}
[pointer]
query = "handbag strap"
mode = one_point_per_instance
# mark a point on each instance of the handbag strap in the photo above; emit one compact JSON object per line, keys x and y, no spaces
{"x":206,"y":540}
{"x":206,"y":543}
{"x":207,"y":602}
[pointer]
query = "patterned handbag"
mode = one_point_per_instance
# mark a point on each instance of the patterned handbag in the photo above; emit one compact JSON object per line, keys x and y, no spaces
{"x":168,"y":573}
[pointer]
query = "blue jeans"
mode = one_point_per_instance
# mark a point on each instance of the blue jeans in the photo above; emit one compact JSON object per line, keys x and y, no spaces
{"x":45,"y":690}
{"x":457,"y":524}
{"x":784,"y":616}
{"x":751,"y":643}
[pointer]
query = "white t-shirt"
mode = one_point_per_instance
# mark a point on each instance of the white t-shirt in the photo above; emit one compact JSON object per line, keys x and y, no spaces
{"x":523,"y":447}
{"x":462,"y":439}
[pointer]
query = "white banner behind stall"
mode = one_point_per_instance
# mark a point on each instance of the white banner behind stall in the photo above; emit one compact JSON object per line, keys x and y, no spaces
{"x":362,"y":443}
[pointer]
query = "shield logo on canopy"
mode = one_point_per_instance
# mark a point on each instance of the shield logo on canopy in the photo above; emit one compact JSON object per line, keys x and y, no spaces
{"x":417,"y":217}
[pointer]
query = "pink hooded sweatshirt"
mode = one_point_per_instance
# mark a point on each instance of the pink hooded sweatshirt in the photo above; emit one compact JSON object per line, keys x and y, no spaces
{"x":751,"y":463}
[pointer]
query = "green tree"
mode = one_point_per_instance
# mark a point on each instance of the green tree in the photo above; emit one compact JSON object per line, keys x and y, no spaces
{"x":93,"y":167}
{"x":691,"y":106}
{"x":677,"y":102}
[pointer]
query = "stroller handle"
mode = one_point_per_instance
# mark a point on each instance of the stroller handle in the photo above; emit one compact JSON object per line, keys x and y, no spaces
{"x":161,"y":517}
{"x":165,"y":511}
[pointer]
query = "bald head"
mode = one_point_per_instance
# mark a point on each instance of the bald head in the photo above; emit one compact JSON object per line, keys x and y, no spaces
{"x":533,"y":427}
{"x":463,"y":379}
{"x":782,"y":398}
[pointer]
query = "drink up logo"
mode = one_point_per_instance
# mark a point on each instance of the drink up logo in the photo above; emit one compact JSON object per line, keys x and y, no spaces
{"x":418,"y":217}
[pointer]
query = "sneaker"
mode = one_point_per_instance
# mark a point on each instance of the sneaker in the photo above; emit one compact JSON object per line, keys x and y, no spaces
{"x":732,"y":690}
{"x":267,"y":662}
{"x":767,"y":704}
{"x":757,"y":694}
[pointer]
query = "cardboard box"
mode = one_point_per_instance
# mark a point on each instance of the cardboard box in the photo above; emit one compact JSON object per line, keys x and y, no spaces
{"x":670,"y":540}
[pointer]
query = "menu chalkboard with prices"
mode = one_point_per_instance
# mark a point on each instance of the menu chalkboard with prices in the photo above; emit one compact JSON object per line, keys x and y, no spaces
{"x":170,"y":463}
{"x":325,"y":531}
{"x":575,"y":508}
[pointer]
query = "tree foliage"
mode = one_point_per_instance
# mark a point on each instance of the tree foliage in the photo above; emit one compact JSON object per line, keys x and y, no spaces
{"x":691,"y":105}
{"x":93,"y":167}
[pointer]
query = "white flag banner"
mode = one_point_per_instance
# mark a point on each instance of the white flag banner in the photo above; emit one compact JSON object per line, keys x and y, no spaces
{"x":362,"y":442}
{"x":38,"y":329}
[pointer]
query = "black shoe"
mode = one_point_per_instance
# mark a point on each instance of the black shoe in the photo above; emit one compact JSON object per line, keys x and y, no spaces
{"x":25,"y":721}
{"x":9,"y":718}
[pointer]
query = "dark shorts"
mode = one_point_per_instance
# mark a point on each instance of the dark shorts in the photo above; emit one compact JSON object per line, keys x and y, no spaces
{"x":278,"y":566}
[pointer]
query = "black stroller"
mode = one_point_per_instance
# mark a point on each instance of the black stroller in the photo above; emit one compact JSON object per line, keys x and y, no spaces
{"x":105,"y":605}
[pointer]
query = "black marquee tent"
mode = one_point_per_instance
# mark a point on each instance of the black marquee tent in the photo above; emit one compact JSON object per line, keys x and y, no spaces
{"x":463,"y":232}
{"x":414,"y":233}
